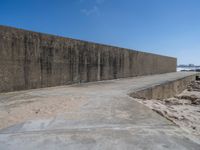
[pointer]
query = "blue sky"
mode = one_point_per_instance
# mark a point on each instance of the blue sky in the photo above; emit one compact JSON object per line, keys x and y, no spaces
{"x":167,"y":27}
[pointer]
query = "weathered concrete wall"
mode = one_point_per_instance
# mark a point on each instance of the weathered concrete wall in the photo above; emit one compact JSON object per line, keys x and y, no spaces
{"x":33,"y":60}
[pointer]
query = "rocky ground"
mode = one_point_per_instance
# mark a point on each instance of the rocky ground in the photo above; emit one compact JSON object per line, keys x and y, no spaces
{"x":183,"y":109}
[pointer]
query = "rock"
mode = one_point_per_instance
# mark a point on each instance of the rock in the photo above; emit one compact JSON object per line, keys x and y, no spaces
{"x":187,"y":97}
{"x":196,"y":102}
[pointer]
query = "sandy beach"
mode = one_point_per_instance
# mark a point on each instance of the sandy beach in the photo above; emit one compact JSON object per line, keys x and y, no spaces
{"x":183,"y":109}
{"x":21,"y":108}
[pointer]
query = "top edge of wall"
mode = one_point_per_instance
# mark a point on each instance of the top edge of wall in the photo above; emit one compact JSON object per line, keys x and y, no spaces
{"x":100,"y":44}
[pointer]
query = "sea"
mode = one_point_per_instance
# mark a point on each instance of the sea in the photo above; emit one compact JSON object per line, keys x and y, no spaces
{"x":187,"y":68}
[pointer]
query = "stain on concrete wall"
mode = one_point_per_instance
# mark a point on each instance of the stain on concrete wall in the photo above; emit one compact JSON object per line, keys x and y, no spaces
{"x":34,"y":60}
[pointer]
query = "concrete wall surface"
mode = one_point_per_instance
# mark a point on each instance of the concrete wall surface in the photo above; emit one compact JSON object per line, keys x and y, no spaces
{"x":34,"y":60}
{"x":164,"y":90}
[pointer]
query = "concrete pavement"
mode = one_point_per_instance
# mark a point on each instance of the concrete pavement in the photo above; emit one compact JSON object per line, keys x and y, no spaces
{"x":107,"y":119}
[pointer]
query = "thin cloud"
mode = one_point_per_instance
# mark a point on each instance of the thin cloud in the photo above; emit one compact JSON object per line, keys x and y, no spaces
{"x":88,"y":12}
{"x":94,"y":10}
{"x":99,"y":1}
{"x":81,"y":1}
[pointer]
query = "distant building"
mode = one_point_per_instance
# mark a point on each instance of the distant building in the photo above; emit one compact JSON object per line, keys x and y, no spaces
{"x":189,"y":67}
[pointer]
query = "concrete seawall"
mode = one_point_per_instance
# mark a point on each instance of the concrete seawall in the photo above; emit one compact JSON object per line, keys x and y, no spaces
{"x":34,"y":60}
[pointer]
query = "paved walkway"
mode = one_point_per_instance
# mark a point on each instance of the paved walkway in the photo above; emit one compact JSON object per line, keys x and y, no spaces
{"x":107,"y":118}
